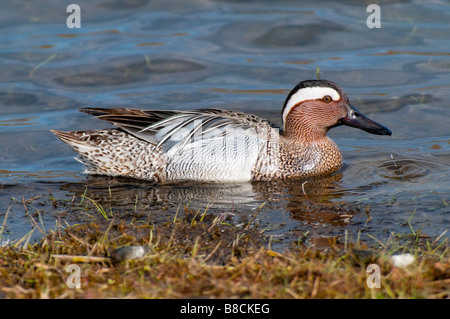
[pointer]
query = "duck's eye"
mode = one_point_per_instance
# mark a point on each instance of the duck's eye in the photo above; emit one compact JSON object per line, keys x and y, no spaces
{"x":327,"y":99}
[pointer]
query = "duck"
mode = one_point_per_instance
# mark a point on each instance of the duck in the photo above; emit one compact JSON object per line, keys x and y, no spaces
{"x":215,"y":145}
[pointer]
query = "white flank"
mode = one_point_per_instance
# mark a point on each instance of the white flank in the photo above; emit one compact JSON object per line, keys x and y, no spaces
{"x":222,"y":158}
{"x":312,"y":93}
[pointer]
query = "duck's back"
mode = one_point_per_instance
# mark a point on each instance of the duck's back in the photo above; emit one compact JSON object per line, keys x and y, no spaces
{"x":202,"y":145}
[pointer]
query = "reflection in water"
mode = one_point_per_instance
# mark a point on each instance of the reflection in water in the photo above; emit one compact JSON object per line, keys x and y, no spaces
{"x":123,"y":191}
{"x":288,"y":207}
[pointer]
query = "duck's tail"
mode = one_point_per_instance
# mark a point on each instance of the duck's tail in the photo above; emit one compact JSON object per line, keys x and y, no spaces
{"x":115,"y":153}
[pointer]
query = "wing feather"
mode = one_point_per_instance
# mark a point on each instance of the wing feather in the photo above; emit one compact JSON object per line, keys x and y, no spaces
{"x":161,"y":127}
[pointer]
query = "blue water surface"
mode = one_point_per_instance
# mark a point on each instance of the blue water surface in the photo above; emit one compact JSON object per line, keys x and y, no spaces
{"x":245,"y":56}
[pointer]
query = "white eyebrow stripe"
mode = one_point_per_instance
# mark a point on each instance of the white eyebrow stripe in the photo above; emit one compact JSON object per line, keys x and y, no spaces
{"x":310,"y":93}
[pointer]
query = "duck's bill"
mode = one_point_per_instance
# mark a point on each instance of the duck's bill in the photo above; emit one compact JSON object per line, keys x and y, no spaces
{"x":356,"y":119}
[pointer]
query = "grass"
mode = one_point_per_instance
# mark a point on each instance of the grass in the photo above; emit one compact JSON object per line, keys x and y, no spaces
{"x":201,"y":255}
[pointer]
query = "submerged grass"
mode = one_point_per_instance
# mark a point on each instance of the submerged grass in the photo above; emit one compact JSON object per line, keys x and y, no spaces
{"x":200,"y":255}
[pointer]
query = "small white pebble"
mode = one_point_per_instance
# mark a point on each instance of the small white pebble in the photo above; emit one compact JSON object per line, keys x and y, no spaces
{"x":402,"y":260}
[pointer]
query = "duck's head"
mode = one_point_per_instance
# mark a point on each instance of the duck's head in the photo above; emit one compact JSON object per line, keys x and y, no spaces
{"x":315,"y":106}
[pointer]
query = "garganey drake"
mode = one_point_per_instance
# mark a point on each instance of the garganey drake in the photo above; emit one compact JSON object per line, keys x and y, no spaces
{"x":219,"y":145}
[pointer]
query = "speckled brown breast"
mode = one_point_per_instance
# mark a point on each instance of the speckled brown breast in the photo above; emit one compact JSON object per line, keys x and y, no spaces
{"x":288,"y":160}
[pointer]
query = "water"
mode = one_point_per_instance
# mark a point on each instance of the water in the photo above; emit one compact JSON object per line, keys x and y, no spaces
{"x":242,"y":56}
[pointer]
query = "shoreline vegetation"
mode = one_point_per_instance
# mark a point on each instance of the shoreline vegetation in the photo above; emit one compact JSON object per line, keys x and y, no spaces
{"x":200,"y":255}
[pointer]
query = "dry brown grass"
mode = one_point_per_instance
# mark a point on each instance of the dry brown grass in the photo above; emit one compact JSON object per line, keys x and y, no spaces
{"x":196,"y":257}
